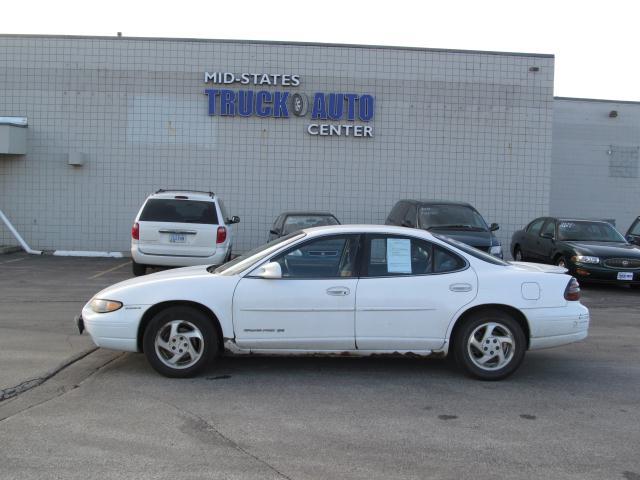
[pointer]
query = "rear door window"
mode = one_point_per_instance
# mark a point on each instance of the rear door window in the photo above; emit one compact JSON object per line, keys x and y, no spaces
{"x":179,"y":211}
{"x":390,"y":256}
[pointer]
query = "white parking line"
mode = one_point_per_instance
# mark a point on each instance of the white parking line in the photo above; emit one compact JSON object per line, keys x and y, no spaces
{"x":14,"y":260}
{"x":99,"y":274}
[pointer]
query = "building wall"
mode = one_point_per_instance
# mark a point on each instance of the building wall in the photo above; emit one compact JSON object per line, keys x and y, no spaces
{"x":452,"y":125}
{"x":595,"y":171}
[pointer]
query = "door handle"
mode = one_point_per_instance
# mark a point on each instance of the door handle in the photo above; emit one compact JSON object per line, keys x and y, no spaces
{"x":338,"y":291}
{"x":460,"y":287}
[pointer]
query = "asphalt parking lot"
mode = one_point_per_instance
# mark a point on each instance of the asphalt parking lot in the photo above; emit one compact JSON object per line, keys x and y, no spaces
{"x":568,"y":413}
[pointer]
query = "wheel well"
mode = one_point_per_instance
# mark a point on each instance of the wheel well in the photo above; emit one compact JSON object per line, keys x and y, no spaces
{"x":516,"y":247}
{"x":514,"y":312}
{"x":151,"y":312}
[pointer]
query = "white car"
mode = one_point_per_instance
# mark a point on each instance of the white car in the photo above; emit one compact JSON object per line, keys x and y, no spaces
{"x":179,"y":228}
{"x":344,"y":290}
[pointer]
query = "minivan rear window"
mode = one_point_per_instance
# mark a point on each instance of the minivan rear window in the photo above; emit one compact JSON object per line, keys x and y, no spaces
{"x":179,"y":211}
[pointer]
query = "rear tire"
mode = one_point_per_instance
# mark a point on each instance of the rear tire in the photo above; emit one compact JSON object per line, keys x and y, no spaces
{"x":180,"y":341}
{"x":138,"y":269}
{"x":490,"y":345}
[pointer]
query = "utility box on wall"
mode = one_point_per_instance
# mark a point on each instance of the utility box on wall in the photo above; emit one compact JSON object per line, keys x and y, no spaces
{"x":13,"y":135}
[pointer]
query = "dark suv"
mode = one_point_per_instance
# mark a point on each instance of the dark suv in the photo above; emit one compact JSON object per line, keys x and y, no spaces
{"x":457,"y":220}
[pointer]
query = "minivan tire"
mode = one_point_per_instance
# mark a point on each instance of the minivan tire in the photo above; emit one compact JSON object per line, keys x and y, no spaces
{"x":138,"y":269}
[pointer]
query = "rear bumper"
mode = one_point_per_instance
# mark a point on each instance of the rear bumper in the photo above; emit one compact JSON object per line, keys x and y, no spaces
{"x":551,"y":327}
{"x":174,"y":261}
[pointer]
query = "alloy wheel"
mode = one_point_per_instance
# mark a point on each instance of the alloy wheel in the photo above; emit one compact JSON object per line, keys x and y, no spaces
{"x":179,"y":344}
{"x":491,"y":346}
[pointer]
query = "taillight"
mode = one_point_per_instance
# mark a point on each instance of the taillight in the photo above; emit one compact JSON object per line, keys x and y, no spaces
{"x":135,"y":231}
{"x":572,"y":292}
{"x":222,"y":235}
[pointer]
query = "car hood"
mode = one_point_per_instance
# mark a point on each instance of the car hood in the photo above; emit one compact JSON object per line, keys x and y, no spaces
{"x":538,"y":267}
{"x":482,"y":240}
{"x":165,"y":276}
{"x":604,"y":249}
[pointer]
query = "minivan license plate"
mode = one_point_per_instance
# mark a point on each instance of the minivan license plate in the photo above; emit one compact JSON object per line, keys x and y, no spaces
{"x":625,"y":275}
{"x":177,"y":238}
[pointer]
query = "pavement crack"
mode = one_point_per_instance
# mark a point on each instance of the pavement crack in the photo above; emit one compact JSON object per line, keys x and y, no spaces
{"x":10,"y":392}
{"x":212,"y":428}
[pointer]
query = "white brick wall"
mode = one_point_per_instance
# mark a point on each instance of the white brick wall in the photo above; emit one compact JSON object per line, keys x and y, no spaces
{"x":585,"y":141}
{"x":453,"y":125}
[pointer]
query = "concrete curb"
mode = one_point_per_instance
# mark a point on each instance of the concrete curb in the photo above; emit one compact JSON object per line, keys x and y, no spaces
{"x":6,"y":249}
{"x":10,"y":392}
{"x":66,"y":379}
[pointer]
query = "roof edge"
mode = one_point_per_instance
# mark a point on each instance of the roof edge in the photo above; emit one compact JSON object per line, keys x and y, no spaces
{"x":597,"y":100}
{"x":275,"y":42}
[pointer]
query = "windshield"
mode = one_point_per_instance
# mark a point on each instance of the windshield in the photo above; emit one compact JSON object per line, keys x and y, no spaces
{"x":474,"y":252}
{"x":450,"y":216}
{"x":294,"y":223}
{"x":243,"y":262}
{"x":589,"y":231}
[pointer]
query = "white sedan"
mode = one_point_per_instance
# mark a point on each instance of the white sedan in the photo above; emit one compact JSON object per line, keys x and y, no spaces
{"x":345,"y":290}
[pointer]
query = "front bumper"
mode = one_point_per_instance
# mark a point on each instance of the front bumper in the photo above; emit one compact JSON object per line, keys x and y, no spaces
{"x":115,"y":330}
{"x":599,"y":274}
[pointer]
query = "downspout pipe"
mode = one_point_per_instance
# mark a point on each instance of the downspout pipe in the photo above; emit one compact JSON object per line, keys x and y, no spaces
{"x":15,"y":233}
{"x":57,"y":253}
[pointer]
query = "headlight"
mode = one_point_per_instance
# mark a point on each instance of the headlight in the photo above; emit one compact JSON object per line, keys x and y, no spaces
{"x":104,"y":306}
{"x":585,"y":259}
{"x":496,"y":251}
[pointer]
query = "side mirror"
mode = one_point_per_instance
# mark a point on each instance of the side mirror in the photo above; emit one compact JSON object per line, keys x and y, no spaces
{"x":548,"y":236}
{"x":269,"y":271}
{"x":234,"y":219}
{"x":494,"y":227}
{"x":407,"y":223}
{"x":274,"y":231}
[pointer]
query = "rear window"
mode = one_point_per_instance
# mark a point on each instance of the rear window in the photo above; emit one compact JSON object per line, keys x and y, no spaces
{"x":294,"y":223}
{"x":179,"y":211}
{"x":474,"y":252}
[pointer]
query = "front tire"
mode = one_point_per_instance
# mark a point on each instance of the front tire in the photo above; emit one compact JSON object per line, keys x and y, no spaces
{"x":561,"y":262}
{"x":490,"y":345}
{"x":517,"y":254}
{"x":180,"y":341}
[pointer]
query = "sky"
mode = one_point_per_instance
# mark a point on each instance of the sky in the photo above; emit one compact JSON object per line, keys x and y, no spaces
{"x":596,"y":43}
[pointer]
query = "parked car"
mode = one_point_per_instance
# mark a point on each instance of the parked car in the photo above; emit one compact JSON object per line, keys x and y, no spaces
{"x":633,"y":234}
{"x":592,"y":250}
{"x":288,"y":222}
{"x":457,"y":220}
{"x":344,"y":290}
{"x":176,"y":228}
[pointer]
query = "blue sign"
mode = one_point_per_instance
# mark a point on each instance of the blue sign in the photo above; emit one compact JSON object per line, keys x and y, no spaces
{"x":263,"y":103}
